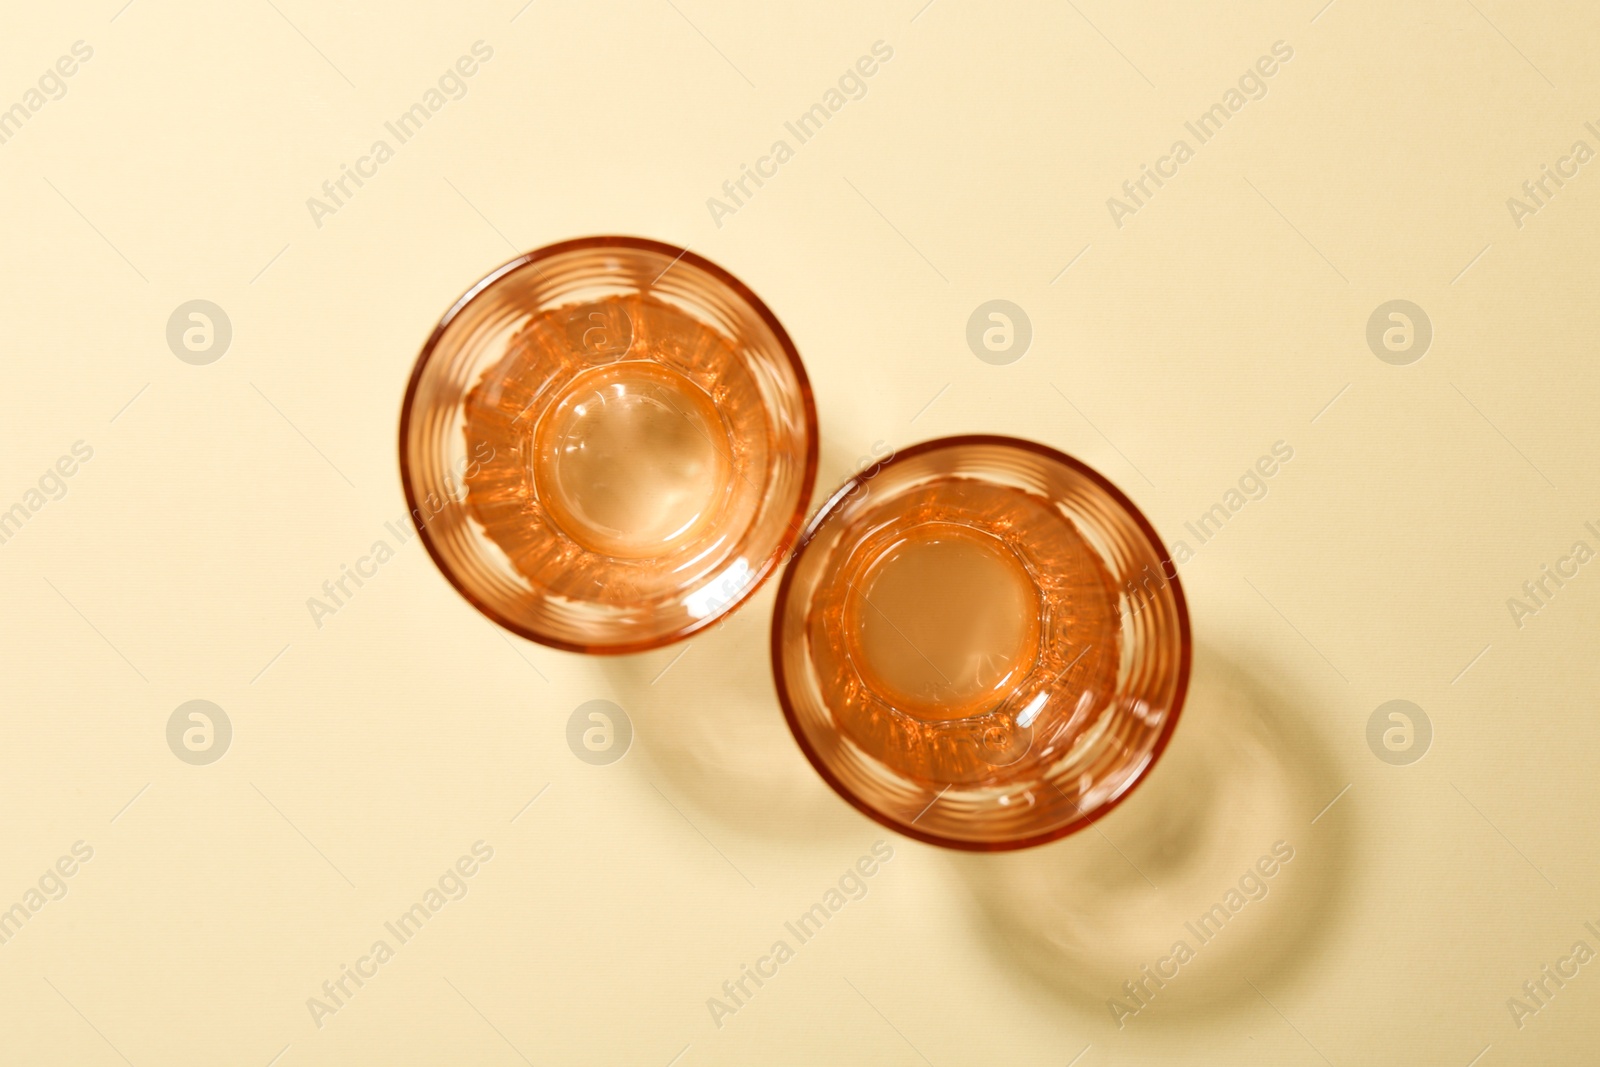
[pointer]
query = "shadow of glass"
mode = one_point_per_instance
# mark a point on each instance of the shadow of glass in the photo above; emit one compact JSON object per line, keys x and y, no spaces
{"x":707,"y":719}
{"x":1210,"y":877}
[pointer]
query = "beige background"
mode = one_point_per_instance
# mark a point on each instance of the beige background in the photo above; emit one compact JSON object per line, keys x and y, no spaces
{"x":1228,"y":314}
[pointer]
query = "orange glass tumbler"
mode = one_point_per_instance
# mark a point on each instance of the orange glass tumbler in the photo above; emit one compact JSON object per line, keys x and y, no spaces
{"x":981,"y":644}
{"x":608,"y":444}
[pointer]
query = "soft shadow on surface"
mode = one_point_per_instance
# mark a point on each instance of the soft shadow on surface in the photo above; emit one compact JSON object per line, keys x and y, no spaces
{"x":714,"y":736}
{"x":711,"y":728}
{"x":1244,"y":772}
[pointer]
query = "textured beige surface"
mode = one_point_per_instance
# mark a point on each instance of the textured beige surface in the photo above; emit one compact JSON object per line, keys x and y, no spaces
{"x":1226,"y":314}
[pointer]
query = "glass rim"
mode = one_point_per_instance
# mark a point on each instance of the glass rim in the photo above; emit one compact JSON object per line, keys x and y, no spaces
{"x":1169,"y":571}
{"x":786,"y":542}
